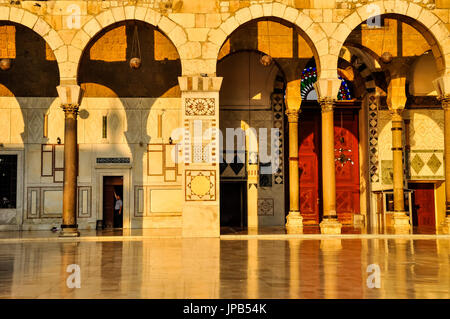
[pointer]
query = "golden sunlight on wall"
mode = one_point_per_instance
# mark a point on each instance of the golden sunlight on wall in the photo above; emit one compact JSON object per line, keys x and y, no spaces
{"x":49,"y":55}
{"x":7,"y":42}
{"x":304,"y":50}
{"x":380,"y":40}
{"x":413,"y":43}
{"x":385,"y":39}
{"x":111,"y":47}
{"x":275,"y":39}
{"x":164,"y":49}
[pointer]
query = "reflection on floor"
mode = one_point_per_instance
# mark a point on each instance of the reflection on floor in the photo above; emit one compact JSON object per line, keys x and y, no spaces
{"x":346,"y":230}
{"x":215,"y":268}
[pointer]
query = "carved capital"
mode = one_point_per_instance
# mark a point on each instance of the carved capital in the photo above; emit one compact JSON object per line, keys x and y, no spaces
{"x":445,"y":101}
{"x":292,"y":115}
{"x":397,"y":115}
{"x":326,"y":103}
{"x":70,"y":110}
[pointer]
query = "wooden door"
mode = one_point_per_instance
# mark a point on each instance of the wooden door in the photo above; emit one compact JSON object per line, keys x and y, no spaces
{"x":309,"y":150}
{"x":347,"y":172}
{"x":423,"y":207}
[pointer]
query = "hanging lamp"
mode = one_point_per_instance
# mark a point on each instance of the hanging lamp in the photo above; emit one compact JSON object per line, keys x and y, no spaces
{"x":5,"y":63}
{"x":266,"y":59}
{"x":135,"y":61}
{"x":386,"y":56}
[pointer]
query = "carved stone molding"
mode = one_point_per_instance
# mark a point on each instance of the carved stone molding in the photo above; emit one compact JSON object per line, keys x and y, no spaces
{"x":326,"y":103}
{"x":70,"y":110}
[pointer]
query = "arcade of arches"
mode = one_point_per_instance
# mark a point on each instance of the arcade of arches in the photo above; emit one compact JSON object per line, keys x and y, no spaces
{"x":206,"y":115}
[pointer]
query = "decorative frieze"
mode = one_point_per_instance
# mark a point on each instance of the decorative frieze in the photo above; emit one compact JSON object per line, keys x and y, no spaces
{"x":200,"y":106}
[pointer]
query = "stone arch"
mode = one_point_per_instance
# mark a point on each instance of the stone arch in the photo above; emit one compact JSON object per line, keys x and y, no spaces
{"x":427,"y":23}
{"x":92,"y":27}
{"x":38,"y":25}
{"x":360,"y":64}
{"x":315,"y":36}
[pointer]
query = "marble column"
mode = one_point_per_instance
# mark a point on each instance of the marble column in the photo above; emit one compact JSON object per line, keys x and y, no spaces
{"x":330,"y":223}
{"x":69,"y":96}
{"x":69,"y":225}
{"x":442,"y":86}
{"x":445,"y":100}
{"x":401,"y":220}
{"x":294,"y":219}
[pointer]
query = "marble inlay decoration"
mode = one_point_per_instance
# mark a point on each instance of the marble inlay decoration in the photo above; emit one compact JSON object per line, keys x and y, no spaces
{"x":200,"y":185}
{"x":373,"y":138}
{"x":265,"y":207}
{"x":200,"y":106}
{"x":426,"y":164}
{"x":277,"y":107}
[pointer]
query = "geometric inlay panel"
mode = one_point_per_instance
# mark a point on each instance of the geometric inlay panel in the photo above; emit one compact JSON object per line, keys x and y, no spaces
{"x":277,"y":101}
{"x":200,"y":106}
{"x":265,"y":207}
{"x":426,"y":164}
{"x":200,"y":185}
{"x":373,"y":138}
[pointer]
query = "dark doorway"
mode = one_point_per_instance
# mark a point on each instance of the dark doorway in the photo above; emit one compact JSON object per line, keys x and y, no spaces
{"x":423,"y":205}
{"x":8,"y":181}
{"x":233,"y":200}
{"x":112,"y":200}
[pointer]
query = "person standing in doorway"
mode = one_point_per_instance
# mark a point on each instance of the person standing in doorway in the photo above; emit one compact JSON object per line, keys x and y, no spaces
{"x":118,"y":211}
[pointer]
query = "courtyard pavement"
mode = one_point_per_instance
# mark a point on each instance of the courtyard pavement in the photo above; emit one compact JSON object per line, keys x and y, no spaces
{"x":126,"y":264}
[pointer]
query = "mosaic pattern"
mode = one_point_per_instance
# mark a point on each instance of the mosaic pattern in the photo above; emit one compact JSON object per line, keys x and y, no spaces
{"x":200,"y":106}
{"x":200,"y":185}
{"x":309,"y":77}
{"x":265,"y":207}
{"x":235,"y":169}
{"x":277,"y":107}
{"x":427,"y":164}
{"x":373,"y":138}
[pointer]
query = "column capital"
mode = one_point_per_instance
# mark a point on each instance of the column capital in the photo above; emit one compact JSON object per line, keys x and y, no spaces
{"x":292,"y":115}
{"x":326,"y":103}
{"x":70,"y":110}
{"x":445,"y":101}
{"x":397,"y":115}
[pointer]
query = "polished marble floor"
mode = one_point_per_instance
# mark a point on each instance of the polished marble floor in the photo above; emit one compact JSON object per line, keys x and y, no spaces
{"x":218,"y":268}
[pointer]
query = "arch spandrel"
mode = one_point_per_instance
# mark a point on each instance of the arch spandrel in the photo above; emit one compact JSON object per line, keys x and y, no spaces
{"x":173,"y":31}
{"x":38,"y":25}
{"x":313,"y":31}
{"x":432,"y":28}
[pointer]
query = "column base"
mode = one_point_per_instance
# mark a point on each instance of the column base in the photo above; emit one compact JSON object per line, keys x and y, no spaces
{"x":330,"y":226}
{"x":69,"y":232}
{"x":446,"y":225}
{"x":294,"y":220}
{"x":401,"y":223}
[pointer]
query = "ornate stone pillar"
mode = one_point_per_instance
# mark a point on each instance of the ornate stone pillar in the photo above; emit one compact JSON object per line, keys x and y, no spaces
{"x":446,"y":106}
{"x":294,"y":219}
{"x":200,"y":162}
{"x":442,"y":86}
{"x":396,"y":100}
{"x":70,"y":97}
{"x":400,"y":217}
{"x":330,"y":223}
{"x":327,"y":91}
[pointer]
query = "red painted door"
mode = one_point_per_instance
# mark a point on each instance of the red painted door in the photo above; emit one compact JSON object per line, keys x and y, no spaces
{"x":347,"y":168}
{"x":309,"y":150}
{"x":423,"y":208}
